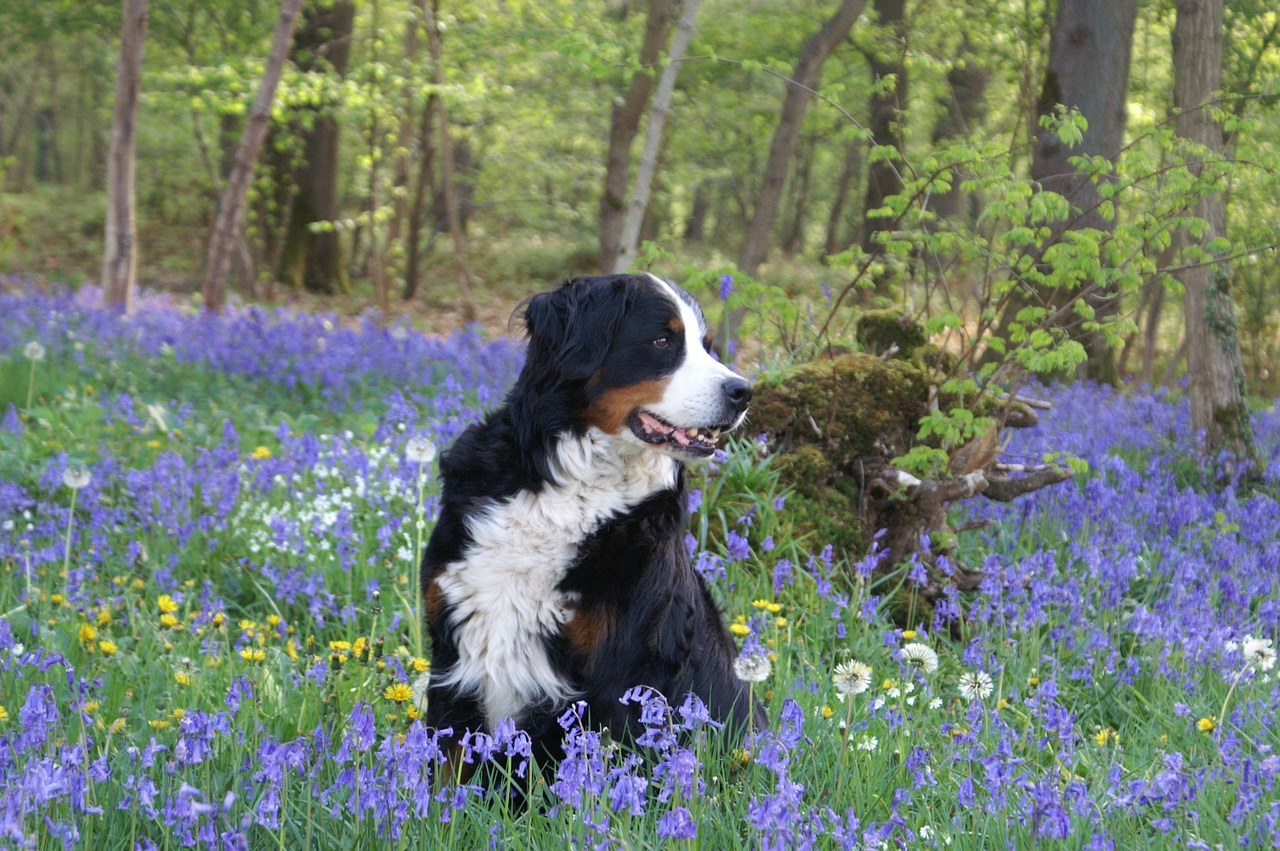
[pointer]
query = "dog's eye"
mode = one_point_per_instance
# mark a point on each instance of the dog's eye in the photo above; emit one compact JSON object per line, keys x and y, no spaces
{"x":662,"y":342}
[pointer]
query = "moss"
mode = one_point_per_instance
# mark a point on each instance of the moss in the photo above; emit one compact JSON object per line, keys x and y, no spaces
{"x":880,"y":330}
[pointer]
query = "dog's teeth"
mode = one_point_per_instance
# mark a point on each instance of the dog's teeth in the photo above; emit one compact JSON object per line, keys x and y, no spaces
{"x":715,"y":434}
{"x":693,"y":432}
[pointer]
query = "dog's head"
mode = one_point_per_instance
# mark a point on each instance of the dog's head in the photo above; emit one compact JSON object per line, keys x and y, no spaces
{"x":631,"y":355}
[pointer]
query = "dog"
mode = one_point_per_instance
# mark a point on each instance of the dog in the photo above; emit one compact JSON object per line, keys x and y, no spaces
{"x":557,"y":570}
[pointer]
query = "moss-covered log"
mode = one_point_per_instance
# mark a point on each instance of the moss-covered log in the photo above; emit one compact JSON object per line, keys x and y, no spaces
{"x":836,"y":425}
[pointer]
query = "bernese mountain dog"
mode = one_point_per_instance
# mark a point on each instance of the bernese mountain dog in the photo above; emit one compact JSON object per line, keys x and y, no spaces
{"x":557,"y":570}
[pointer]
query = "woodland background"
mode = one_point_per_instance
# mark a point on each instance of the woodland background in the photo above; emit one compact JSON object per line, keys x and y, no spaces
{"x":463,"y":155}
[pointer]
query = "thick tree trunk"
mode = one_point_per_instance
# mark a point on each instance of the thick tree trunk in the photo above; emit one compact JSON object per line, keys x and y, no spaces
{"x":421,"y":192}
{"x":230,"y":209}
{"x":886,"y":109}
{"x":1089,"y":52}
{"x":629,"y":239}
{"x":1214,"y":369}
{"x":624,"y":124}
{"x":120,"y":258}
{"x":804,"y":79}
{"x":314,"y":259}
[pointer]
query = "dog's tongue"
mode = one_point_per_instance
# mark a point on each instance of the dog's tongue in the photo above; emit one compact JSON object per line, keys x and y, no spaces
{"x":652,"y":424}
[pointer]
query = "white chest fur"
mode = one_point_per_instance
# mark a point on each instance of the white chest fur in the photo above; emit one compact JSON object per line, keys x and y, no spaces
{"x":503,"y":595}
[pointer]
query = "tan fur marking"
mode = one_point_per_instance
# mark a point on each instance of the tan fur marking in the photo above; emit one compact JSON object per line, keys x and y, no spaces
{"x":586,"y":630}
{"x":609,"y":412}
{"x":435,"y":599}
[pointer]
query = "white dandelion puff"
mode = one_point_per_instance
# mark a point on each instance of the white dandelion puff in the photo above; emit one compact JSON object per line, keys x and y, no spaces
{"x":852,"y":677}
{"x":753,"y":667}
{"x":921,"y":656}
{"x":420,"y":450}
{"x":76,"y":477}
{"x":34,"y":351}
{"x":1258,"y":653}
{"x":976,"y":685}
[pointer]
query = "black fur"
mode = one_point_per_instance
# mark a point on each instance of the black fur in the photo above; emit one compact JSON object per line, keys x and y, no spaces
{"x":658,"y":624}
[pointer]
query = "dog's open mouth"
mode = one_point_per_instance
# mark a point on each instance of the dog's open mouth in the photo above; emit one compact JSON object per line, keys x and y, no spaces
{"x":699,"y":441}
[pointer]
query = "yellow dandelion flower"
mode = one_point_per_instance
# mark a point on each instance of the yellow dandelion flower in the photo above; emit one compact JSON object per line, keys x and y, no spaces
{"x":137,"y":584}
{"x":87,"y":635}
{"x":170,"y":621}
{"x":1205,"y":725}
{"x":107,"y":647}
{"x":887,"y":684}
{"x":774,"y":608}
{"x":118,"y":725}
{"x":4,"y":714}
{"x":260,"y":453}
{"x":153,"y":444}
{"x":273,"y":621}
{"x":1106,"y":737}
{"x":247,"y":625}
{"x":1033,"y":681}
{"x":253,"y":654}
{"x":158,"y":724}
{"x":291,"y":648}
{"x":908,"y":634}
{"x":827,"y":712}
{"x":740,"y":629}
{"x":166,"y":603}
{"x":340,"y":646}
{"x":420,"y":665}
{"x":57,"y":599}
{"x":399,"y":692}
{"x":182,"y":677}
{"x":104,"y":617}
{"x":780,"y":623}
{"x":218,"y":619}
{"x":760,"y":604}
{"x":90,"y":707}
{"x":179,"y":714}
{"x":1001,"y":704}
{"x":411,"y":712}
{"x":359,"y":647}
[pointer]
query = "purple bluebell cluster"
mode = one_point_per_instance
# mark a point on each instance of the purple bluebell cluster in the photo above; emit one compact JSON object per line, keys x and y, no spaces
{"x":216,"y":648}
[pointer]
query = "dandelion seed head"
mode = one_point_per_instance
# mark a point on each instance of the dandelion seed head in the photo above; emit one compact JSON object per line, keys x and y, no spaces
{"x":753,"y":667}
{"x":920,"y":656}
{"x":852,"y":677}
{"x":976,"y":685}
{"x":34,"y":351}
{"x":420,"y":450}
{"x":76,"y":476}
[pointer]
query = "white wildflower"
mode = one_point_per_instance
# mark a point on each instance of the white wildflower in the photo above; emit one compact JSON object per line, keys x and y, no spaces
{"x":868,"y":743}
{"x":852,"y":677}
{"x":34,"y":351}
{"x":920,"y":656}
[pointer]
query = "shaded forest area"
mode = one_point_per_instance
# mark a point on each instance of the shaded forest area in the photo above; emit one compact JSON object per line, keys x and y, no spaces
{"x":1034,"y":173}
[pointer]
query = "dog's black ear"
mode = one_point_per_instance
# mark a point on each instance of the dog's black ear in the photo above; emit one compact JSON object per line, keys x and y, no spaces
{"x":570,"y":327}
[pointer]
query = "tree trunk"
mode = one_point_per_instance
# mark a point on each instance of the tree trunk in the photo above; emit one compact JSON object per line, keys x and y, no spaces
{"x":658,"y":113}
{"x":624,"y":124}
{"x":314,"y":259}
{"x":120,"y":259}
{"x":230,"y":209}
{"x":804,"y":79}
{"x":834,"y":242}
{"x":421,"y":192}
{"x":886,"y":109}
{"x":447,"y":168}
{"x":962,"y":110}
{"x":1214,"y":369}
{"x":1089,"y":52}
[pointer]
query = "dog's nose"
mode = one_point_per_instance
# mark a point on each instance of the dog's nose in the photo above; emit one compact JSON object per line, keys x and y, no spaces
{"x":737,"y":391}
